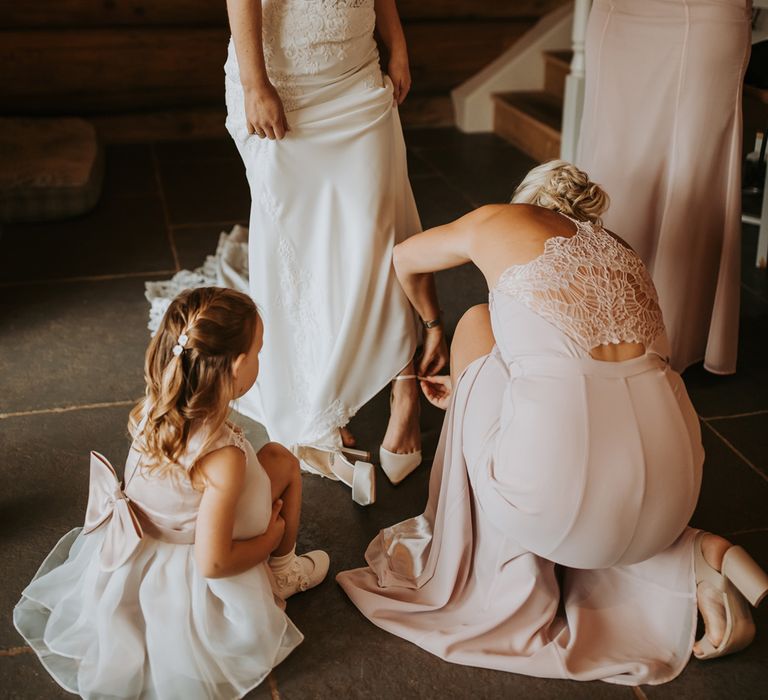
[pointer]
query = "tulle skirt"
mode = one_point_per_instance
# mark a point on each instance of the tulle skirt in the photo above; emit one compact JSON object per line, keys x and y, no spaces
{"x":154,"y":627}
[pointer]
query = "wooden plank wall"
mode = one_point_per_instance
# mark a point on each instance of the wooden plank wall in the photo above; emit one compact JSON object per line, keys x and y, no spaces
{"x":117,"y":57}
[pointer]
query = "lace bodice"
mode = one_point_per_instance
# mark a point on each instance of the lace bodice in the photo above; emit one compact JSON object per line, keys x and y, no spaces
{"x":311,"y":44}
{"x":592,"y":287}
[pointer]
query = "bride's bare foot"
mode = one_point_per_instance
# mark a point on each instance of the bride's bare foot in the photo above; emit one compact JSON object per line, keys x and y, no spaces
{"x":403,"y":432}
{"x":710,"y":600}
{"x":347,"y":439}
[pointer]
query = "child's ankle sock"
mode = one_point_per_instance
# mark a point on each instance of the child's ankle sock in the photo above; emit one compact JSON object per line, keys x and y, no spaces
{"x":292,"y":574}
{"x":281,"y":563}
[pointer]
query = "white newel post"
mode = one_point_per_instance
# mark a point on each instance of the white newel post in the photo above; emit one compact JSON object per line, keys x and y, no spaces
{"x":574,"y":83}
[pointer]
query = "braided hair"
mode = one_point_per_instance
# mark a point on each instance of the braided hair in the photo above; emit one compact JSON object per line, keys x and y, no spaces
{"x":188,"y":374}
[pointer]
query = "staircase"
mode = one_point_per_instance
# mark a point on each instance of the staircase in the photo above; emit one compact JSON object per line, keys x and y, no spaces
{"x":532,"y":120}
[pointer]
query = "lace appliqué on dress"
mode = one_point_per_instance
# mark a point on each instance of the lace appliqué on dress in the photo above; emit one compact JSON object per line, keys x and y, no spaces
{"x":594,"y":289}
{"x":227,"y":268}
{"x":295,"y":295}
{"x":238,"y":439}
{"x":308,"y":36}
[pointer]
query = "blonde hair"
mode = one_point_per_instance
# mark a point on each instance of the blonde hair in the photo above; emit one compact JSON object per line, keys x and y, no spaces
{"x":192,"y":384}
{"x":562,"y":187}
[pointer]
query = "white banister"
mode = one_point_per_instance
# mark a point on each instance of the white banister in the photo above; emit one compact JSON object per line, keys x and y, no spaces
{"x":574,"y":84}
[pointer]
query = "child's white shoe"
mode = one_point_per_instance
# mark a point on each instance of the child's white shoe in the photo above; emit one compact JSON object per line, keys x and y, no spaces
{"x":294,"y":574}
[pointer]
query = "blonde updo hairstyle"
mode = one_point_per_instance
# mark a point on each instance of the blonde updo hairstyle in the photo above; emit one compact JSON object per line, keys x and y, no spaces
{"x":562,"y":187}
{"x":191,"y":387}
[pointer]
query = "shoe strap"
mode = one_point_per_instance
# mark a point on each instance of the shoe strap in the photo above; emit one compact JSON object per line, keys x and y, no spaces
{"x":401,"y":377}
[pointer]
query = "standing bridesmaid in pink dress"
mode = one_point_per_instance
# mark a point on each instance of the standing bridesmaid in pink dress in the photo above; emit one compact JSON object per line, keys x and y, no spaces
{"x":568,"y":466}
{"x":662,"y":129}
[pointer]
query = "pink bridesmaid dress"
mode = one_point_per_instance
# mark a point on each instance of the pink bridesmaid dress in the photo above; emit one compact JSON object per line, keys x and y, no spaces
{"x":661,"y":131}
{"x":555,"y":539}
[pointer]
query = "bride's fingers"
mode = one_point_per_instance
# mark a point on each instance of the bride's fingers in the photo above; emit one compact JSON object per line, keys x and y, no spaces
{"x":395,"y":90}
{"x":402,"y":92}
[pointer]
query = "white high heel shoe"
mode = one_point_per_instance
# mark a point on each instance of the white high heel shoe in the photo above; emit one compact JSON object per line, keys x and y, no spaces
{"x":332,"y":464}
{"x":740,"y":580}
{"x":398,"y":466}
{"x":362,"y":455}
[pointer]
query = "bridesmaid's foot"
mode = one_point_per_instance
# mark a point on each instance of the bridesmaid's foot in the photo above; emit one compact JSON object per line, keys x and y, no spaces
{"x":347,"y":439}
{"x":709,"y":599}
{"x":403,"y":434}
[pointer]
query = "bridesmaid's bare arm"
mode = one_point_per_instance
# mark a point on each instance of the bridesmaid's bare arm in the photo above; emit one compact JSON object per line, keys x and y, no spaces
{"x":493,"y":237}
{"x":263,"y":107}
{"x":391,"y":32}
{"x":438,"y":248}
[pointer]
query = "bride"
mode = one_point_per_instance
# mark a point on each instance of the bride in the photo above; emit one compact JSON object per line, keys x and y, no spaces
{"x":316,"y":123}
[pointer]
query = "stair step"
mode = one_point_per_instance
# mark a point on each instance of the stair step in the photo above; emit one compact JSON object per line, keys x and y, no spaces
{"x":560,"y":56}
{"x":557,"y":66}
{"x":531,"y":121}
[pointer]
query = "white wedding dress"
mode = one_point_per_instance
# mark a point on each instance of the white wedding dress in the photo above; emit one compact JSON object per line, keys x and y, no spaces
{"x":329,"y":202}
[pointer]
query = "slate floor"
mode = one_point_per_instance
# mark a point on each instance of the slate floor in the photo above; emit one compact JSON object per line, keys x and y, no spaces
{"x":72,"y":336}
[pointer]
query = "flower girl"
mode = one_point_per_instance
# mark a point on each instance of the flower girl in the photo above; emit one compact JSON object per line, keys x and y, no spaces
{"x":174,"y":587}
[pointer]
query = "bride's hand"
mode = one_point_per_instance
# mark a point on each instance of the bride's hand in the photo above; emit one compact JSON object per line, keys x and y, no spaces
{"x":400,"y":74}
{"x":264,"y":112}
{"x":434,"y":352}
{"x":437,"y":389}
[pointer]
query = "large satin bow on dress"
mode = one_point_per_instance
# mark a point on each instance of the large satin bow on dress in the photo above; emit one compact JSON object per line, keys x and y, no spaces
{"x":109,"y":507}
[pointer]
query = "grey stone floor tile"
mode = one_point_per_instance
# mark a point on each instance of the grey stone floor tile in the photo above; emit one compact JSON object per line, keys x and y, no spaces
{"x":482,"y":166}
{"x":451,"y":139}
{"x":747,"y":390}
{"x":204,"y":149}
{"x":129,"y":169}
{"x":733,"y":497}
{"x":715,"y":395}
{"x":195,"y":243}
{"x":417,"y":166}
{"x":72,"y":343}
{"x":123,"y":234}
{"x":23,"y":678}
{"x":438,"y":201}
{"x":749,"y":435}
{"x":202,"y":190}
{"x":458,"y":289}
{"x":753,"y":278}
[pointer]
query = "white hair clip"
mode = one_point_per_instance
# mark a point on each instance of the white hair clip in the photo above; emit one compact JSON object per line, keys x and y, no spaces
{"x":180,"y":344}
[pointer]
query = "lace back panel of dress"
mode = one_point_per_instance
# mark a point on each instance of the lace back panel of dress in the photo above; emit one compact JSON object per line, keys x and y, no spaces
{"x":594,"y":289}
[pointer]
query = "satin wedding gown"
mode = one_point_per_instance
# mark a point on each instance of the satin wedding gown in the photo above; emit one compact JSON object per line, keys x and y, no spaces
{"x":662,"y":132}
{"x":555,"y":541}
{"x":329,"y":202}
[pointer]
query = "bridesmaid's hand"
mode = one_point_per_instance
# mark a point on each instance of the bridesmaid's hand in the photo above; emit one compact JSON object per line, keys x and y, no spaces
{"x":264,"y":112}
{"x":434,"y":352}
{"x":437,"y":389}
{"x":400,"y":74}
